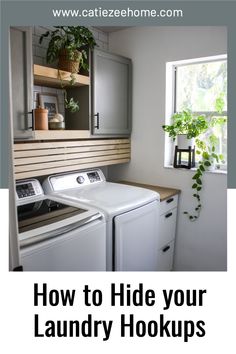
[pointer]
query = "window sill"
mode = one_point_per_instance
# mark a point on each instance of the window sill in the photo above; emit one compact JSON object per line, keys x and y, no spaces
{"x":218,"y":172}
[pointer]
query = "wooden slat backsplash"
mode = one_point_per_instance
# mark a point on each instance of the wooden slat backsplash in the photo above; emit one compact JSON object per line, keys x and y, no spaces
{"x":44,"y":158}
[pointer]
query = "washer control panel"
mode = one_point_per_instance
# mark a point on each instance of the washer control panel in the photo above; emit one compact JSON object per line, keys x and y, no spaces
{"x":28,"y":189}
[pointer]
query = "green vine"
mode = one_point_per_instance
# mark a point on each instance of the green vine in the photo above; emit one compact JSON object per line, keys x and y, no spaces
{"x":186,"y":122}
{"x":71,"y":105}
{"x":209,"y":157}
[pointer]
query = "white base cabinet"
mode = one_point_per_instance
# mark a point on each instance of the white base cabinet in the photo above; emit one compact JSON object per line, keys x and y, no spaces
{"x":168,"y":216}
{"x":165,"y":257}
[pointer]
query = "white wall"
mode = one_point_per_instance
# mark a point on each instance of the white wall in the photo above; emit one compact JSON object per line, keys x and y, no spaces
{"x":200,"y":245}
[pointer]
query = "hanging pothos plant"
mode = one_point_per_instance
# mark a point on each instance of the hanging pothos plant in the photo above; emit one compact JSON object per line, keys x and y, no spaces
{"x":194,"y":126}
{"x":68,"y":45}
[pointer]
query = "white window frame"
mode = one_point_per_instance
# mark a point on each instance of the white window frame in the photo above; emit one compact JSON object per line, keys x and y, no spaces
{"x":170,"y":99}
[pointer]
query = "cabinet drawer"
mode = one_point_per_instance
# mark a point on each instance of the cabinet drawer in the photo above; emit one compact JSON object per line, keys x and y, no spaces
{"x":167,"y":227}
{"x":168,"y":204}
{"x":165,"y":257}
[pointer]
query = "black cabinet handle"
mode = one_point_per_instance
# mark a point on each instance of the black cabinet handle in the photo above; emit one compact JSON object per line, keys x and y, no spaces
{"x":97,"y":125}
{"x":168,"y":215}
{"x":169,"y":200}
{"x":32,"y":113}
{"x":18,"y":269}
{"x":166,"y":249}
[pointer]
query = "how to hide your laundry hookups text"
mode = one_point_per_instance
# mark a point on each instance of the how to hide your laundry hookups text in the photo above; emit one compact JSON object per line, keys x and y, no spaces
{"x":129,"y":324}
{"x":129,"y":327}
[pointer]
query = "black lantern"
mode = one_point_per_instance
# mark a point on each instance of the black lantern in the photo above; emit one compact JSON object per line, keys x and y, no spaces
{"x":184,"y":158}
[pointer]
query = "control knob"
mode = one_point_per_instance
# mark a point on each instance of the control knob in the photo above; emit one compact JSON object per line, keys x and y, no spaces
{"x":80,"y":179}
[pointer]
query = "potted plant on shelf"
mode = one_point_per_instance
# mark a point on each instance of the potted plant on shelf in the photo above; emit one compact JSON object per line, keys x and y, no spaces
{"x":68,"y":45}
{"x":185,"y":127}
{"x":194,"y":126}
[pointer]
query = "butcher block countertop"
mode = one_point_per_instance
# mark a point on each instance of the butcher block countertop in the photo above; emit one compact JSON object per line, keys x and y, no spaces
{"x":165,"y":192}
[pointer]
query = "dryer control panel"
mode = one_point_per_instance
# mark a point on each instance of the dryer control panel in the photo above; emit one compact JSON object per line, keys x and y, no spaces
{"x":93,"y":176}
{"x":73,"y":180}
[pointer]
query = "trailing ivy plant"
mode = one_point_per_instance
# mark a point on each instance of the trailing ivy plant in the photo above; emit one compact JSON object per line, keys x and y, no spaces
{"x":209,"y":158}
{"x":72,"y":105}
{"x":194,"y":125}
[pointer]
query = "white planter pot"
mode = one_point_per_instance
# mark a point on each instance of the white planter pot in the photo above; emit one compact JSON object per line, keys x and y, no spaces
{"x":183,"y":142}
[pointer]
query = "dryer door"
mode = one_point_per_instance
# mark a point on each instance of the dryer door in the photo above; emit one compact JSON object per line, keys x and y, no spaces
{"x":136,"y":239}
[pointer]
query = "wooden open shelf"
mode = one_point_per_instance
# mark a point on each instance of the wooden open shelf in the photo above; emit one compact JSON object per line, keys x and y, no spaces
{"x":46,"y":76}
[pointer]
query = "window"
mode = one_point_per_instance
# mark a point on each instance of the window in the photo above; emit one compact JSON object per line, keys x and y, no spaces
{"x":196,"y":85}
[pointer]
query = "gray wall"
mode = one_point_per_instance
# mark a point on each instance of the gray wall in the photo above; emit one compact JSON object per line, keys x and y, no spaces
{"x":200,"y":245}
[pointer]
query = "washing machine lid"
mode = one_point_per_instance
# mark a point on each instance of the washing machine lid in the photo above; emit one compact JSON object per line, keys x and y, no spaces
{"x":111,"y":198}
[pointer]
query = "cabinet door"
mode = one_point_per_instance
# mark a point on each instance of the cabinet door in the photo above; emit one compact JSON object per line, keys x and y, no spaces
{"x":167,"y":227}
{"x":111,"y":94}
{"x":165,"y":257}
{"x":136,"y":239}
{"x":21,"y":81}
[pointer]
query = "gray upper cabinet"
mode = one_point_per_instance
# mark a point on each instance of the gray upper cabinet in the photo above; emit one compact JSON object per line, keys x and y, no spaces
{"x":21,"y":81}
{"x":111,"y":94}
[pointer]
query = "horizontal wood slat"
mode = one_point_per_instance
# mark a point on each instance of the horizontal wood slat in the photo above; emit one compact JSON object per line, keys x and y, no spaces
{"x":36,"y":160}
{"x":63,"y":163}
{"x":60,"y":144}
{"x":61,"y":134}
{"x":39,"y":159}
{"x":65,"y":150}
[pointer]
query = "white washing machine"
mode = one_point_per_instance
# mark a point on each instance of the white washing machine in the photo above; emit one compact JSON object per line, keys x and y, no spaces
{"x":55,"y":235}
{"x":132,"y":216}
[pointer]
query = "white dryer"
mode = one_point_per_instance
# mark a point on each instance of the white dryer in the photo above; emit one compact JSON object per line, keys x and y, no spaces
{"x":132,"y":216}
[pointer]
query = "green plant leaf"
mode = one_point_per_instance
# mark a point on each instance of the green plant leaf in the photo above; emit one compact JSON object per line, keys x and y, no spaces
{"x":194,"y":185}
{"x":219,"y":104}
{"x":207,"y":163}
{"x":199,"y":188}
{"x":221,"y":157}
{"x":205,"y":155}
{"x":195,"y":176}
{"x":202,"y":168}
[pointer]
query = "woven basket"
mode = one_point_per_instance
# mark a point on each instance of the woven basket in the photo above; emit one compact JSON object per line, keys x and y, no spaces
{"x":66,"y":64}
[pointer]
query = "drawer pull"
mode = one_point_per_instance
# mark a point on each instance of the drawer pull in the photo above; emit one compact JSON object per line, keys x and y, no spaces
{"x":169,"y":200}
{"x":166,"y":249}
{"x":168,"y":215}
